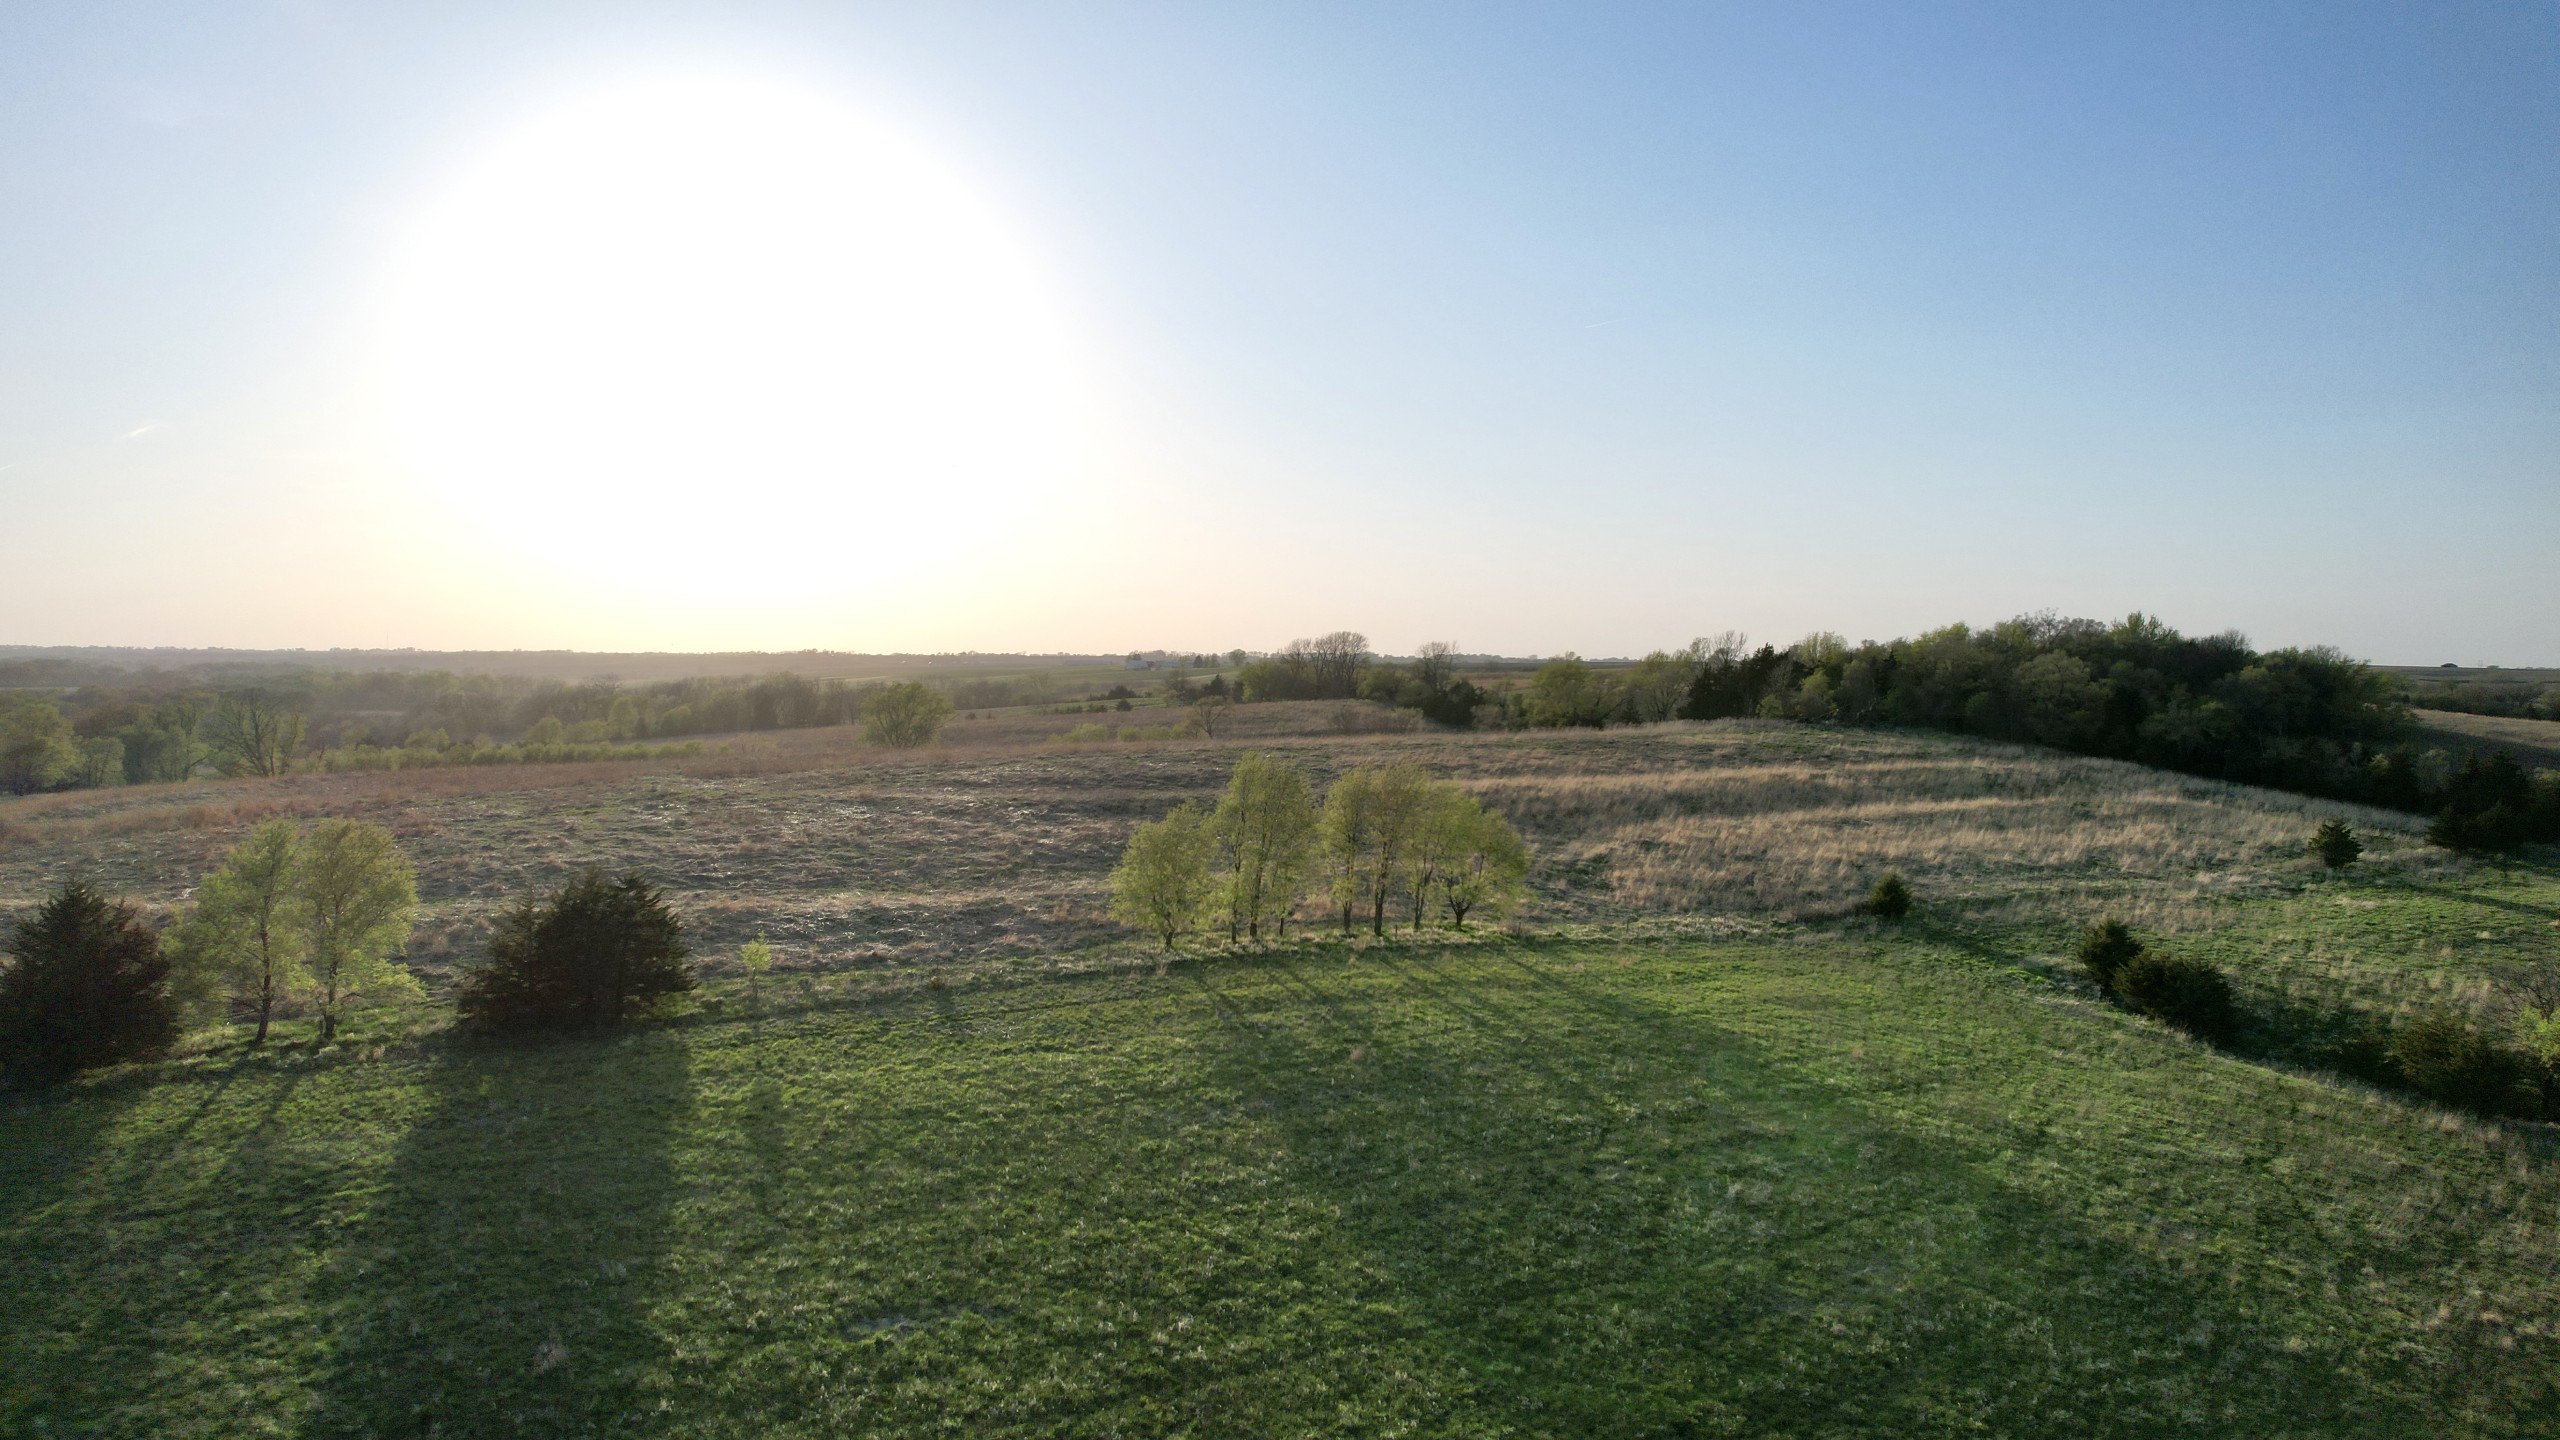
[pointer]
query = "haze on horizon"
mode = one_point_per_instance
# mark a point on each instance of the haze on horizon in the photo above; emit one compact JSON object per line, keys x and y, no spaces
{"x":1005,"y":327}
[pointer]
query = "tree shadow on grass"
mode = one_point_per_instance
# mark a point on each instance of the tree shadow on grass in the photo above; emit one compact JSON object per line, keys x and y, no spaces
{"x":498,"y":1283}
{"x":1622,"y":1221}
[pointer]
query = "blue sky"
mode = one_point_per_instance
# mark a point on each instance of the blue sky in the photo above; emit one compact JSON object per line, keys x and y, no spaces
{"x":1529,"y":327}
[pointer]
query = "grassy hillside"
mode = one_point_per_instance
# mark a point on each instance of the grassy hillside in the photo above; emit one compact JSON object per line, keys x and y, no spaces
{"x":1831,"y":1185}
{"x":1701,"y":1154}
{"x":2534,"y":743}
{"x":996,"y":847}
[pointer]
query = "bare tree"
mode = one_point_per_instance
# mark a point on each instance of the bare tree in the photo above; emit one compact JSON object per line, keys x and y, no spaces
{"x":1338,"y":659}
{"x":252,"y":735}
{"x":1435,"y":664}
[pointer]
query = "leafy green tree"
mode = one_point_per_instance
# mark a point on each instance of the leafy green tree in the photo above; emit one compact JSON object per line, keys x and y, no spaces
{"x":590,"y":957}
{"x":101,"y":762}
{"x":244,"y":937}
{"x":1465,"y":855}
{"x":358,"y":897}
{"x":2336,"y":844}
{"x":167,"y":743}
{"x":1891,"y":899}
{"x":1567,"y":691}
{"x":756,"y":958}
{"x":89,"y":988}
{"x":1371,"y":820}
{"x":37,"y":751}
{"x":1163,"y":879}
{"x":1264,"y":829}
{"x":904,"y":715}
{"x":250,"y":734}
{"x":1657,"y":686}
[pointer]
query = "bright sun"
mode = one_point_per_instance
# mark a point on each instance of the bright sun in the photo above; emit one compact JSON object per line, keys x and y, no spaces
{"x":712,"y":319}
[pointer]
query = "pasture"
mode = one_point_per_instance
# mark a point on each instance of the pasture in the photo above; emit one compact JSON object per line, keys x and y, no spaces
{"x":1692,"y":1150}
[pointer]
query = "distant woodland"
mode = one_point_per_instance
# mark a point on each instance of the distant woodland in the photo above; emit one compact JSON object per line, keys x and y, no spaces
{"x":2307,"y":720}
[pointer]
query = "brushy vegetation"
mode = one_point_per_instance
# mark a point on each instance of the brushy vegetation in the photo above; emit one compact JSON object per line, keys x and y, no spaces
{"x":2182,"y":991}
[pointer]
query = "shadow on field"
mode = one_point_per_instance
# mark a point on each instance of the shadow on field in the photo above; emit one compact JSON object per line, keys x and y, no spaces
{"x":1618,"y":1220}
{"x":498,"y":1281}
{"x":2492,"y":902}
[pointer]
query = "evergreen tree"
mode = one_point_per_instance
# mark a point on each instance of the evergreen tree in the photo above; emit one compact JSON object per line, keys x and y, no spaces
{"x":590,"y":957}
{"x":88,"y":988}
{"x":2336,"y":844}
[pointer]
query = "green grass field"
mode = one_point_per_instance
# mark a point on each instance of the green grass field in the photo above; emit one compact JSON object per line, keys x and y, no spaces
{"x":1821,"y":1182}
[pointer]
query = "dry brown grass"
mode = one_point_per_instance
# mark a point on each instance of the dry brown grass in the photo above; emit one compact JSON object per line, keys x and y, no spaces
{"x":1000,"y":842}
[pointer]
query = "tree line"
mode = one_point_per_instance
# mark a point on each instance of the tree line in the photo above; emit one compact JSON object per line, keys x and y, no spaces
{"x":2306,"y":720}
{"x":88,"y":741}
{"x":1381,"y":838}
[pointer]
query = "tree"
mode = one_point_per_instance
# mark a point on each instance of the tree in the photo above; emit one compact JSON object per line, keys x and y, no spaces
{"x":2105,"y":949}
{"x":904,"y":715}
{"x":1163,"y":878}
{"x":1435,"y":665}
{"x":37,"y":751}
{"x":250,"y":734}
{"x":1264,"y":828}
{"x":89,"y":988}
{"x":593,"y":955}
{"x":1567,"y":691}
{"x":1467,"y":854}
{"x":1338,"y":659}
{"x":756,"y":958}
{"x":357,"y":897}
{"x":2336,"y":844}
{"x":1657,"y":686}
{"x":245,"y":936}
{"x":164,"y":745}
{"x":101,"y":762}
{"x":1891,"y":899}
{"x":1207,"y":712}
{"x":1371,"y":818}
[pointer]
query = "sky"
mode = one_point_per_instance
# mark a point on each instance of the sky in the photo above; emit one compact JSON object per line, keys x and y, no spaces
{"x":1037,"y":327}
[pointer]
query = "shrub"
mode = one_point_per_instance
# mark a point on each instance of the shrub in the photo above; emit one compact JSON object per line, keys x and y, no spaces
{"x":2449,"y":1060}
{"x":2105,"y":949}
{"x":904,"y":715}
{"x":89,"y":988}
{"x":2336,"y":844}
{"x":1891,"y":899}
{"x":2190,"y":994}
{"x":592,"y":956}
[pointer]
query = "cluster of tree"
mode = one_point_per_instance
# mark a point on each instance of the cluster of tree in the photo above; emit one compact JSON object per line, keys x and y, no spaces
{"x":293,"y":921}
{"x":99,"y":739}
{"x":2312,"y":720}
{"x":2437,"y":1052}
{"x":1340,"y":666}
{"x":312,"y":923}
{"x":1382,"y":837}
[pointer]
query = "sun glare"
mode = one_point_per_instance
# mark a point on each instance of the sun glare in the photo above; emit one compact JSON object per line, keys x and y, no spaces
{"x":718,"y":320}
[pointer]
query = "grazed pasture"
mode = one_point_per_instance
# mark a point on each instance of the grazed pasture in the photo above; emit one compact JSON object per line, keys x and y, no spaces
{"x":997,"y":845}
